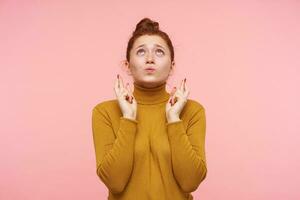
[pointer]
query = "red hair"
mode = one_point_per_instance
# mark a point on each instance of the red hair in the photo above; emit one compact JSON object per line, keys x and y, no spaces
{"x":148,"y":27}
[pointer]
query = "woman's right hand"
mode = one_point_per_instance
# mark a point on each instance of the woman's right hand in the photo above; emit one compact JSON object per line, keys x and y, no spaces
{"x":126,"y":100}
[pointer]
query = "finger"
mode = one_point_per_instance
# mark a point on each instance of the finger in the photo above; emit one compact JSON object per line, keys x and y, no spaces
{"x":187,"y":91}
{"x":121,"y":82}
{"x":175,"y":99}
{"x":125,"y":95}
{"x":172,"y":94}
{"x":118,"y":81}
{"x":179,"y":95}
{"x":129,"y":93}
{"x":117,"y":88}
{"x":182,"y":85}
{"x":173,"y":91}
{"x":129,"y":89}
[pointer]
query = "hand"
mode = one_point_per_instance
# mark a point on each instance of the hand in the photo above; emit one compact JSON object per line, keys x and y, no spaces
{"x":126,"y":100}
{"x":176,"y":102}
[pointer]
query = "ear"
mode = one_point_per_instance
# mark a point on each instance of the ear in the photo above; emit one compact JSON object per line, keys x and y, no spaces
{"x":172,"y":68}
{"x":127,"y":68}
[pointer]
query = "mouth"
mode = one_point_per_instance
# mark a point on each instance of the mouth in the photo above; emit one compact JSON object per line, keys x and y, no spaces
{"x":150,"y":69}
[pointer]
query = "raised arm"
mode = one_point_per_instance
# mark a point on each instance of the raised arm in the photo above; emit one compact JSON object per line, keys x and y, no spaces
{"x":188,"y":151}
{"x":114,"y":154}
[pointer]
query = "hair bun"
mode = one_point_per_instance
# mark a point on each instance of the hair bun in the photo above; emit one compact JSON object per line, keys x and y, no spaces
{"x":146,"y":24}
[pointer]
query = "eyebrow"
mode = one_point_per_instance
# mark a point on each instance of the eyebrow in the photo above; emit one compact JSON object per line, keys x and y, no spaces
{"x":154,"y":45}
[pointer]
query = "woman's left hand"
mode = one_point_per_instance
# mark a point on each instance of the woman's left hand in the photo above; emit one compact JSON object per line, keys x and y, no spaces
{"x":176,"y":102}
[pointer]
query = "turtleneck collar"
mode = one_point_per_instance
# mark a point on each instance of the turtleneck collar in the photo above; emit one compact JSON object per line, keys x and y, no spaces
{"x":150,"y":96}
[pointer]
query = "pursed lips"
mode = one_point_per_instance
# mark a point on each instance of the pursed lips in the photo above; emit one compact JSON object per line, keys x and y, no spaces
{"x":150,"y":68}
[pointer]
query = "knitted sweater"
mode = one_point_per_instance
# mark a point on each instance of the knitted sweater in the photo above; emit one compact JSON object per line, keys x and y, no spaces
{"x":149,"y":158}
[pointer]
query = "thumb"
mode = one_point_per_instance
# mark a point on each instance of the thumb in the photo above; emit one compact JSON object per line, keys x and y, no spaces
{"x":172,"y":95}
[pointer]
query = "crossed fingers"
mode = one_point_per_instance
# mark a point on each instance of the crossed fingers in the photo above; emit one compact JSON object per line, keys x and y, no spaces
{"x":182,"y":92}
{"x":123,"y":91}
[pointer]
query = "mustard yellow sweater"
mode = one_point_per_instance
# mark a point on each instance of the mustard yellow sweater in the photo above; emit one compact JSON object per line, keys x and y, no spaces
{"x":149,"y":158}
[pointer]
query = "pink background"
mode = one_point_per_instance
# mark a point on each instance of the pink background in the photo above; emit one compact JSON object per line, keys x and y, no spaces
{"x":58,"y":59}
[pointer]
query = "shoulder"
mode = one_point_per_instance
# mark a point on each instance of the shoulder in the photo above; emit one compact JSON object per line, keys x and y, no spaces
{"x":191,"y":109}
{"x":195,"y":105}
{"x":106,"y":105}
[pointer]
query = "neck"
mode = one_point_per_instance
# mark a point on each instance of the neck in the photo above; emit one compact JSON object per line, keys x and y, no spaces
{"x":154,"y":95}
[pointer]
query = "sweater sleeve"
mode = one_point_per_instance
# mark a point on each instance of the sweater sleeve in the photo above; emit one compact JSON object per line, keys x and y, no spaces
{"x":188,"y":151}
{"x":114,"y":154}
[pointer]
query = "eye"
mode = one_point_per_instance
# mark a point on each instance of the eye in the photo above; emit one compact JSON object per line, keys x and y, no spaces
{"x":140,"y":50}
{"x":161,"y":52}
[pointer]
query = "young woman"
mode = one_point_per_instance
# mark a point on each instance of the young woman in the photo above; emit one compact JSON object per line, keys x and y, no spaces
{"x":149,"y":144}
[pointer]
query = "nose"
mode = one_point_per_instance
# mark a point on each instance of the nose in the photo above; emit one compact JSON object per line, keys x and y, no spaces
{"x":149,"y":58}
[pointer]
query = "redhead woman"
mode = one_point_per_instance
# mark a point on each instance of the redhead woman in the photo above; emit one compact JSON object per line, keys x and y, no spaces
{"x":150,"y":144}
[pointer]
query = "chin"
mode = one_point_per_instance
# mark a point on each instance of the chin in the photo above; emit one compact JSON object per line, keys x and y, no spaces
{"x":152,"y":82}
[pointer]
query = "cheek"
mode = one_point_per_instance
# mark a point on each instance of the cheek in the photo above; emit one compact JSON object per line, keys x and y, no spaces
{"x":136,"y":69}
{"x":165,"y":71}
{"x":137,"y":62}
{"x":165,"y":65}
{"x":164,"y":60}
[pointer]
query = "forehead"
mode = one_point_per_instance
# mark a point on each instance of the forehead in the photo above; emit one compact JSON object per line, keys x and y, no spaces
{"x":150,"y":40}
